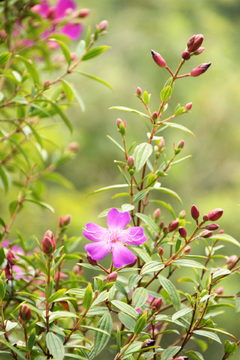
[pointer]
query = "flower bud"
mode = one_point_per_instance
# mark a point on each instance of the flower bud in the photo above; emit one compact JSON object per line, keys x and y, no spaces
{"x":158,"y":59}
{"x":186,"y":250}
{"x":90,"y":260}
{"x":111,"y":277}
{"x":73,"y":56}
{"x":3,"y":36}
{"x":130,"y":162}
{"x":180,"y":144}
{"x":182,"y":231}
{"x":25,"y":313}
{"x":165,"y":230}
{"x":139,"y":91}
{"x":73,"y":146}
{"x":188,"y":106}
{"x":46,"y":84}
{"x":199,"y":70}
{"x":8,"y":273}
{"x":103,"y":25}
{"x":186,"y":55}
{"x":83,"y":13}
{"x":173,"y":225}
{"x":157,"y":214}
{"x":219,"y":290}
{"x":121,"y":126}
{"x":133,"y":263}
{"x":48,"y":243}
{"x":161,"y":225}
{"x":205,"y":217}
{"x":67,"y":220}
{"x":221,"y":231}
{"x":206,"y":233}
{"x":199,"y":51}
{"x":154,"y":115}
{"x":215,"y":214}
{"x":195,"y":42}
{"x":36,"y":8}
{"x":160,"y":251}
{"x":194,"y":212}
{"x":212,"y":227}
{"x":157,"y":303}
{"x":231,"y":260}
{"x":10,"y":257}
{"x":182,"y":214}
{"x":147,"y":343}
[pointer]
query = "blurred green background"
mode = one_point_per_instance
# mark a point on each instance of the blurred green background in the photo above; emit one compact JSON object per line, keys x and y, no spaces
{"x":211,"y":177}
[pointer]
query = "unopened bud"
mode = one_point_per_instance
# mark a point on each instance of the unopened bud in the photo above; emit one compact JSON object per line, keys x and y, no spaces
{"x":111,"y":277}
{"x":46,"y":84}
{"x":10,"y":257}
{"x":182,"y":231}
{"x":67,"y":220}
{"x":215,"y":214}
{"x":83,"y":13}
{"x":165,"y":230}
{"x":186,"y":55}
{"x":231,"y":260}
{"x":147,"y":343}
{"x":73,"y":146}
{"x":161,"y":225}
{"x":160,"y":251}
{"x":194,"y":212}
{"x":221,"y":231}
{"x":90,"y":260}
{"x":121,"y":126}
{"x":73,"y":56}
{"x":48,"y":243}
{"x":205,"y":217}
{"x":199,"y":51}
{"x":36,"y":8}
{"x":133,"y":263}
{"x":139,"y":91}
{"x":212,"y":227}
{"x":3,"y":36}
{"x":25,"y":313}
{"x":188,"y":106}
{"x":199,"y":70}
{"x":206,"y":233}
{"x":182,"y":214}
{"x":103,"y":25}
{"x":173,"y":225}
{"x":158,"y":59}
{"x":157,"y":303}
{"x":161,"y":144}
{"x":8,"y":273}
{"x":219,"y":290}
{"x":157,"y":214}
{"x":186,"y":250}
{"x":195,"y":42}
{"x":130,"y":162}
{"x":180,"y":144}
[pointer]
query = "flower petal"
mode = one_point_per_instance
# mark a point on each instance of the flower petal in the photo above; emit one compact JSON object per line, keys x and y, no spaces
{"x":62,"y":6}
{"x":117,"y":220}
{"x":121,"y":255}
{"x":73,"y":31}
{"x":132,"y":236}
{"x":99,"y":250}
{"x":44,"y":6}
{"x":95,"y":232}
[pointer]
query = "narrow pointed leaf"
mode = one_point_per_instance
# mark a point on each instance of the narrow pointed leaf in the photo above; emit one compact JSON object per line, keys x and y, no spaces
{"x":101,"y":339}
{"x":55,"y":346}
{"x":95,"y":78}
{"x":171,"y":290}
{"x":123,"y":108}
{"x":94,"y":52}
{"x":76,"y":94}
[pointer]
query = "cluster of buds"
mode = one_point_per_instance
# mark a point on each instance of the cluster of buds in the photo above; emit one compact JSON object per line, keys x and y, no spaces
{"x":193,"y":46}
{"x":213,"y":215}
{"x":156,"y":304}
{"x":159,"y":148}
{"x":48,"y":243}
{"x":64,"y":221}
{"x":25,"y":314}
{"x":121,"y":126}
{"x":99,"y":29}
{"x":130,"y":162}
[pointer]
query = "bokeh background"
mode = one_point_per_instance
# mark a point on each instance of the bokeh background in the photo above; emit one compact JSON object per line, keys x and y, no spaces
{"x":211,"y":177}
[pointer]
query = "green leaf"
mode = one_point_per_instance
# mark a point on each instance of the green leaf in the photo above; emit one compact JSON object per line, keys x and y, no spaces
{"x":4,"y":57}
{"x":133,"y":280}
{"x":181,"y":313}
{"x":125,"y":308}
{"x":56,"y":295}
{"x":151,"y":267}
{"x":12,"y":207}
{"x":208,"y":334}
{"x":80,"y":48}
{"x":141,"y":154}
{"x":61,"y":314}
{"x":13,"y":348}
{"x":123,"y":108}
{"x":95,"y":78}
{"x":221,"y":272}
{"x":171,"y":290}
{"x":170,"y":352}
{"x":20,"y":150}
{"x":31,"y":69}
{"x":195,"y":355}
{"x":90,"y":54}
{"x":42,"y":204}
{"x":146,"y":97}
{"x":188,"y":263}
{"x":175,"y":126}
{"x":116,"y":143}
{"x":101,"y":339}
{"x":140,"y":296}
{"x":140,"y":324}
{"x":166,"y":93}
{"x":41,"y":264}
{"x":140,"y":195}
{"x":55,"y":346}
{"x":35,"y":134}
{"x":88,"y":295}
{"x":4,"y":179}
{"x":167,"y":191}
{"x":226,"y":237}
{"x":237,"y":303}
{"x":108,"y":188}
{"x":148,"y":221}
{"x":143,"y":255}
{"x":127,"y":321}
{"x":64,"y":49}
{"x":76,"y":94}
{"x":20,"y":100}
{"x":31,"y":340}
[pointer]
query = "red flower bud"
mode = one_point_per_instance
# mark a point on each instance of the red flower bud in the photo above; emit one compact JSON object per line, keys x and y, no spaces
{"x":157,"y":214}
{"x":231,"y":260}
{"x":160,"y":251}
{"x":199,"y":51}
{"x":8,"y":273}
{"x":121,"y":126}
{"x":186,"y":55}
{"x":212,"y":227}
{"x":147,"y":343}
{"x":182,"y":214}
{"x":48,"y":243}
{"x":158,"y":59}
{"x":133,"y":263}
{"x":73,"y":146}
{"x":205,"y":217}
{"x":36,"y":8}
{"x":90,"y":260}
{"x":25,"y":313}
{"x":103,"y":25}
{"x":199,"y":70}
{"x":67,"y":220}
{"x":180,"y":144}
{"x":154,"y":115}
{"x":111,"y":277}
{"x":206,"y":233}
{"x":182,"y":231}
{"x":219,"y":291}
{"x":46,"y":84}
{"x":130,"y":162}
{"x":173,"y":225}
{"x":215,"y":214}
{"x":83,"y":13}
{"x":194,"y":212}
{"x":195,"y":42}
{"x":161,"y":225}
{"x":188,"y":106}
{"x":157,"y":303}
{"x":10,"y":257}
{"x":221,"y":231}
{"x":139,"y":91}
{"x":186,"y":250}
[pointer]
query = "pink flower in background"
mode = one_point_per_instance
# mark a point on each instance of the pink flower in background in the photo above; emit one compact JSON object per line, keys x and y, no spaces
{"x":57,"y":13}
{"x":114,"y":238}
{"x":16,"y":250}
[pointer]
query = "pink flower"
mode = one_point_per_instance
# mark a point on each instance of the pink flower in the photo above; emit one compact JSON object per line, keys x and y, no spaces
{"x":57,"y":13}
{"x":114,"y":238}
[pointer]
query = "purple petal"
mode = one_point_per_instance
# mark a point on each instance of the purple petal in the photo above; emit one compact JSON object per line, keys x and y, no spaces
{"x":121,"y":255}
{"x":132,"y":236}
{"x":44,"y":8}
{"x":73,"y":31}
{"x":99,"y":250}
{"x":62,"y":6}
{"x":95,"y":232}
{"x":117,"y":220}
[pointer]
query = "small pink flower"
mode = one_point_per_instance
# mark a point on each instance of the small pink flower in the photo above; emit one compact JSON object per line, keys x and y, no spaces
{"x":114,"y":238}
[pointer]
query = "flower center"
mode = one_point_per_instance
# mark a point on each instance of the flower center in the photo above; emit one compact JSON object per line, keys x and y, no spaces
{"x":114,"y":235}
